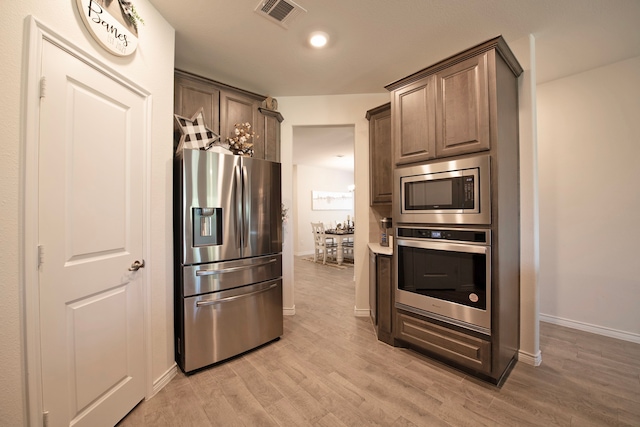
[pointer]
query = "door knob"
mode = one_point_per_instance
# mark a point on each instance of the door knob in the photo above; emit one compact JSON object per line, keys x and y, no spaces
{"x":137,"y":265}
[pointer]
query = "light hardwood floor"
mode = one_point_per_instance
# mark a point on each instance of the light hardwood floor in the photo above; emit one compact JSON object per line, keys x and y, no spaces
{"x":329,"y":370}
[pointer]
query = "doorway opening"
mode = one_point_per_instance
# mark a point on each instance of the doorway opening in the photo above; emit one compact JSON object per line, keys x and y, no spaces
{"x":323,"y":164}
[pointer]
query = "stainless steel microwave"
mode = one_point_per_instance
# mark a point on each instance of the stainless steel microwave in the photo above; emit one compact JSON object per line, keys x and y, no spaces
{"x":452,"y":192}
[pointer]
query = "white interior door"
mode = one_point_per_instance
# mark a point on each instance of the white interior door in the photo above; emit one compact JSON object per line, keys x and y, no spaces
{"x":92,"y":129}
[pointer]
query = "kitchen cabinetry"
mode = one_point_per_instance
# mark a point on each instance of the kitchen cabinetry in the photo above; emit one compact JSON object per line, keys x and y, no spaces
{"x":463,"y":105}
{"x":380,"y":155}
{"x":238,"y":106}
{"x":192,"y":93}
{"x":223,"y":107}
{"x":381,"y":295}
{"x":268,"y":145}
{"x":450,"y":108}
{"x":413,"y":121}
{"x":461,"y":348}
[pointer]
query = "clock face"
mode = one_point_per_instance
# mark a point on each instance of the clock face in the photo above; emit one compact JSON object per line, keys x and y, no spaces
{"x":109,"y":25}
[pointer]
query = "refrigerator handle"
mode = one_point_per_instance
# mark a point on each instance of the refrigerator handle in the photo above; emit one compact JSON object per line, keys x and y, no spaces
{"x":232,"y":269}
{"x":246,"y":191}
{"x":229,"y":299}
{"x":237,"y":202}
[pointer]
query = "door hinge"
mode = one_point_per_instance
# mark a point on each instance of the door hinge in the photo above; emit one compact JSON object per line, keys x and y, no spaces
{"x":45,"y":419}
{"x":43,"y":86}
{"x":40,"y":255}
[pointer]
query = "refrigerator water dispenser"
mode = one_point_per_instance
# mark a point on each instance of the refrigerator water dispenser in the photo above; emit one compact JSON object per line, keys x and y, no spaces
{"x":207,"y":226}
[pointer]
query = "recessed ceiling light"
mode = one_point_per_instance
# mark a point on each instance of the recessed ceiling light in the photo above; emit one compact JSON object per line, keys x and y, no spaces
{"x":318,"y":39}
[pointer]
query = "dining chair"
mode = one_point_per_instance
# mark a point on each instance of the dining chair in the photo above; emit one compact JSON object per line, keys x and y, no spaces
{"x":322,"y":244}
{"x":347,"y":247}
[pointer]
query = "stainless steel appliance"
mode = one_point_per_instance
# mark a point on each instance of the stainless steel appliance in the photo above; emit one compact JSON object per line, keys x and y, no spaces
{"x":385,"y":226}
{"x":228,"y":244}
{"x":451,"y":192}
{"x":445,"y":274}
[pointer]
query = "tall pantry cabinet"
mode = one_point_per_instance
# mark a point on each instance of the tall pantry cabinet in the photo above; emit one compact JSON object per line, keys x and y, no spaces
{"x":464,"y":106}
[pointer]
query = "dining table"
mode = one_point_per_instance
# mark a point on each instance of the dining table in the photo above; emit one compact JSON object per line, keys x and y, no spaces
{"x":343,"y":237}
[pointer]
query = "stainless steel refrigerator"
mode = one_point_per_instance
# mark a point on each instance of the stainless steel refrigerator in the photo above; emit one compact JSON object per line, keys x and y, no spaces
{"x":228,"y":244}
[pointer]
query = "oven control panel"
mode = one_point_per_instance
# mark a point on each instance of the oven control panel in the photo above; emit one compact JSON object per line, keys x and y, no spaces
{"x":450,"y":234}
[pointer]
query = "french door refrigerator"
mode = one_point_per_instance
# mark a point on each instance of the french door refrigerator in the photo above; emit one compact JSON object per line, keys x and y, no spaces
{"x":228,"y":256}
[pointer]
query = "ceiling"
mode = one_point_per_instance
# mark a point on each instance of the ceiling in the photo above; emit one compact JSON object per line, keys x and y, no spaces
{"x":329,"y":147}
{"x":376,"y":42}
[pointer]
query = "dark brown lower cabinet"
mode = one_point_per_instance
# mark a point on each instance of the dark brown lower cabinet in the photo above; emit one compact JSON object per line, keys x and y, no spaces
{"x":462,"y":349}
{"x":381,"y":295}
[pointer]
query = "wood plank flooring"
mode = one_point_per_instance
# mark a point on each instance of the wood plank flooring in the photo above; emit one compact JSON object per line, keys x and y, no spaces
{"x":329,"y":370}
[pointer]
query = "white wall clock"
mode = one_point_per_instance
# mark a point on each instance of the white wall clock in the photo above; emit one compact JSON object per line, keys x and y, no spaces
{"x":112,"y":23}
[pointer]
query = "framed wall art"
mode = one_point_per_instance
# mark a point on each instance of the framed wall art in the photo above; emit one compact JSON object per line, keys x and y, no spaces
{"x":331,"y":201}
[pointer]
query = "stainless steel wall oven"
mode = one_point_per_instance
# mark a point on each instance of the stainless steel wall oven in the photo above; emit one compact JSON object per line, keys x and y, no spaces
{"x":445,"y":274}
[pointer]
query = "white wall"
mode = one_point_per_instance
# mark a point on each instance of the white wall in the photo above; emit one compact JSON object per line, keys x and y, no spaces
{"x":589,"y":157}
{"x":308,"y":179}
{"x":152,"y":68}
{"x":330,"y":110}
{"x":529,"y":352}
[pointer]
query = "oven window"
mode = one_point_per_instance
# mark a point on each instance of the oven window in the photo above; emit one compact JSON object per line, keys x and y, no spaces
{"x":458,"y":277}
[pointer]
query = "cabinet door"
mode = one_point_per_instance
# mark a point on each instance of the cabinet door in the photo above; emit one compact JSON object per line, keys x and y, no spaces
{"x":385,"y":297}
{"x":373,"y":289}
{"x":191,"y":95}
{"x":237,"y":108}
{"x":463,"y":349}
{"x":413,"y":126}
{"x":462,"y":113}
{"x":380,"y":154}
{"x":268,"y":145}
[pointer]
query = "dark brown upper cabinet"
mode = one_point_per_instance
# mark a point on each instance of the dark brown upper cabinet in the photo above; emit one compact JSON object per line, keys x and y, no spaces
{"x":380,"y":155}
{"x":451,"y":108}
{"x":223,"y":107}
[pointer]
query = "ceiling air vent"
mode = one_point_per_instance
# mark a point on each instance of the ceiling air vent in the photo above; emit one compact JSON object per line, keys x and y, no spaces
{"x":279,"y":11}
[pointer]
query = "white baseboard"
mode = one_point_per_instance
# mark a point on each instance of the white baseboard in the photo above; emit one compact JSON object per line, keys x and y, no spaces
{"x":289,"y":311}
{"x":595,"y":329}
{"x":164,"y":380}
{"x":361,"y":312}
{"x":530,"y":359}
{"x":303,"y":253}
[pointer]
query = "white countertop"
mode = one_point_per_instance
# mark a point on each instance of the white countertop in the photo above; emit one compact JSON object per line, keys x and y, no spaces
{"x":381,"y":250}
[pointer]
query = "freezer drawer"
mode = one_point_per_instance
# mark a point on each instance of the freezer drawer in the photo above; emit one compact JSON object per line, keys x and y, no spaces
{"x":224,"y":324}
{"x":219,"y":276}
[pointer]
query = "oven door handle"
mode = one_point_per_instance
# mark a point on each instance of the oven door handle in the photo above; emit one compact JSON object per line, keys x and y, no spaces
{"x":445,"y":246}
